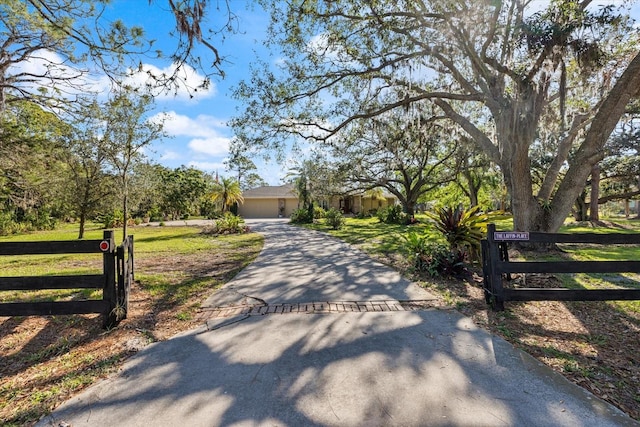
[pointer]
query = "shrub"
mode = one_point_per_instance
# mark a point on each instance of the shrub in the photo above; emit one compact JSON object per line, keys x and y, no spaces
{"x":415,"y":244}
{"x":319,"y":212}
{"x":112,"y":219}
{"x":392,"y":215}
{"x":301,"y":216}
{"x":230,"y":224}
{"x":334,"y":219}
{"x":438,"y":260}
{"x":8,"y":225}
{"x":464,"y":229}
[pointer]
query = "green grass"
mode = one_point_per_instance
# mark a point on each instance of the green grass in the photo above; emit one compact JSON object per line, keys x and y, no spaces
{"x":148,"y":242}
{"x":373,"y":236}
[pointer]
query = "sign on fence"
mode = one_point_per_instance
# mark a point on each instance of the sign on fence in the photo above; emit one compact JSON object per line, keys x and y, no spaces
{"x":511,"y":235}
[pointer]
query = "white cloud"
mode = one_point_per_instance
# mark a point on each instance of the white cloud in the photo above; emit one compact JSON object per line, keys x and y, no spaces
{"x":46,"y":63}
{"x":213,"y":146}
{"x":207,"y":166}
{"x":206,"y":134}
{"x":201,"y":126}
{"x":170,"y":155}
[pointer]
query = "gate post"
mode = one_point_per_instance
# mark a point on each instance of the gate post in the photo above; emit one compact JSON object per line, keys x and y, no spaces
{"x":495,"y":277}
{"x":109,"y":270}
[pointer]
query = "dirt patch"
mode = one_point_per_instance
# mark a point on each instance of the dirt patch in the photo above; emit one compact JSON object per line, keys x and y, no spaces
{"x":594,"y":344}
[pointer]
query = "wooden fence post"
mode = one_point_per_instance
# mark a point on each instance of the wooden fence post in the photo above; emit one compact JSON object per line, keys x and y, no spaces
{"x":109,"y":292}
{"x":495,"y":277}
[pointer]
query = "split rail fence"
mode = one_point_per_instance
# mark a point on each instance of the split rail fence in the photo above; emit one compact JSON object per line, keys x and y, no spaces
{"x":115,"y":280}
{"x":497,"y":267}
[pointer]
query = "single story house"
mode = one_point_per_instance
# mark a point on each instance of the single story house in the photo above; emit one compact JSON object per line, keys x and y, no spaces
{"x":361,"y":203}
{"x":281,"y":201}
{"x":268,"y":202}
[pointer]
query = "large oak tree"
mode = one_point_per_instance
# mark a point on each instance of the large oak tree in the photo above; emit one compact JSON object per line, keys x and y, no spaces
{"x":517,"y":67}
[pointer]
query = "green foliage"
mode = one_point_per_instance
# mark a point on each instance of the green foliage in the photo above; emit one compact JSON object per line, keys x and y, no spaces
{"x":319,"y":212}
{"x":113,"y":219}
{"x":8,"y":225}
{"x":439,"y":260}
{"x":334,"y":219}
{"x":434,"y":258}
{"x":415,"y":244}
{"x":229,"y":224}
{"x":227,"y":191}
{"x":392,"y":215}
{"x":464,"y":229}
{"x":182,"y":190}
{"x":301,"y":216}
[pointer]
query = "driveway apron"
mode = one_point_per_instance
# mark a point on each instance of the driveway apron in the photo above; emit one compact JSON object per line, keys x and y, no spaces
{"x":315,"y":333}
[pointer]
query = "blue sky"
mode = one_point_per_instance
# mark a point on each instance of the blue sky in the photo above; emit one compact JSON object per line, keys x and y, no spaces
{"x":200,"y":135}
{"x":198,"y":129}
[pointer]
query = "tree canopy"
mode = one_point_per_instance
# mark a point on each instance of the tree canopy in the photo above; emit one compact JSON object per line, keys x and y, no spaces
{"x":50,"y":48}
{"x":499,"y":70}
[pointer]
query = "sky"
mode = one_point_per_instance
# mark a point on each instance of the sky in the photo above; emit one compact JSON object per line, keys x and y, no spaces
{"x":198,"y":126}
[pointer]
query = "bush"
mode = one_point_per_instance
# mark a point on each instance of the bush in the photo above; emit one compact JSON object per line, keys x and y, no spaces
{"x":8,"y":225}
{"x":228,"y":224}
{"x":334,"y":219}
{"x":155,"y":214}
{"x":415,"y":244}
{"x":392,"y":215}
{"x":437,"y":259}
{"x":301,"y":216}
{"x":464,"y":229}
{"x":112,"y":219}
{"x":319,"y":212}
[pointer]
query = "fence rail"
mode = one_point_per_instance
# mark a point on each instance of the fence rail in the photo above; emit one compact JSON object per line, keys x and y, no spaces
{"x":115,"y":280}
{"x":496,"y":267}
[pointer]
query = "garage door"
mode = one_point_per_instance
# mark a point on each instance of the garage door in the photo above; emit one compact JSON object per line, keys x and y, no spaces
{"x":258,"y":208}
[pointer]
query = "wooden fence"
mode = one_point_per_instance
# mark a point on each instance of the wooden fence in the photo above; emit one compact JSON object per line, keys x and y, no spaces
{"x":115,"y":280}
{"x":496,"y":267}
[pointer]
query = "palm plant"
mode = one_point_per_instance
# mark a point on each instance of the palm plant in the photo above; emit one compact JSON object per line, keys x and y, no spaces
{"x":228,"y":191}
{"x":464,"y":228}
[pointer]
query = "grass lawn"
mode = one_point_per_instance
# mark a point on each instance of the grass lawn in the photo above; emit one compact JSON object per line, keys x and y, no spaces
{"x":46,"y":359}
{"x":594,"y":344}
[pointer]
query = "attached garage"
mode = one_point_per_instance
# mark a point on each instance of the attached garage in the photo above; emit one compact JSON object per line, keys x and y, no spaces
{"x":268,"y":202}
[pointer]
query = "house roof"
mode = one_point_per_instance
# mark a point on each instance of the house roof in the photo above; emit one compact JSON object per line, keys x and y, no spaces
{"x":271,"y":192}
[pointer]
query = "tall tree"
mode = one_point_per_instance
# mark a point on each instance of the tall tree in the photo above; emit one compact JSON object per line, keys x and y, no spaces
{"x":408,"y":154}
{"x":127,"y":133}
{"x":91,"y":188}
{"x":243,"y":168}
{"x":343,"y":57}
{"x":31,"y":176}
{"x":182,"y":189}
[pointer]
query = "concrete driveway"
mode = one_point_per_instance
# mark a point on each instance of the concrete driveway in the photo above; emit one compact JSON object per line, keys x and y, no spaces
{"x":346,"y":363}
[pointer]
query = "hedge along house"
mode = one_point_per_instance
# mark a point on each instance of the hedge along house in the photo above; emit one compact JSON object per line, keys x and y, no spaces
{"x":269,"y":202}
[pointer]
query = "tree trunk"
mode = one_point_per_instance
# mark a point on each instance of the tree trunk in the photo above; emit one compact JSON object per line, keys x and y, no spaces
{"x":626,"y":208}
{"x":580,"y":212}
{"x":516,"y":129}
{"x":594,"y":213}
{"x":591,"y":150}
{"x":472,"y":188}
{"x":125,"y":207}
{"x":83,"y":218}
